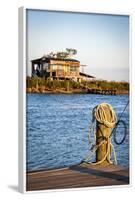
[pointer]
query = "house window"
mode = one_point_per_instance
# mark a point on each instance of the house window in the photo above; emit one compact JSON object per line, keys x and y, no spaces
{"x":60,"y":70}
{"x":60,"y":67}
{"x":73,"y":68}
{"x":54,"y":67}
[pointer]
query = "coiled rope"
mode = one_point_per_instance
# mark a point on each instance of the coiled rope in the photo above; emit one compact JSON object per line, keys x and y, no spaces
{"x":125,"y":127}
{"x":99,"y":114}
{"x":101,"y":117}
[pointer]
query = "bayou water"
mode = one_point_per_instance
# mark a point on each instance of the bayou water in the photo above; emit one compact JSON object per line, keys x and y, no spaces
{"x":58,"y":126}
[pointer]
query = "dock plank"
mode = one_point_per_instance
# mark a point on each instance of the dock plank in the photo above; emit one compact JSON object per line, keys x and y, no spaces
{"x":83,"y":175}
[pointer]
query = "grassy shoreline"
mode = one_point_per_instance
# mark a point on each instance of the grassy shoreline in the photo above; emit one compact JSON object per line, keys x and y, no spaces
{"x":45,"y":86}
{"x":39,"y":91}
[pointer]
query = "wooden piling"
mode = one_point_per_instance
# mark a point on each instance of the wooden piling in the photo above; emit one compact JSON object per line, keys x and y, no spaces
{"x":102,"y":150}
{"x":68,"y":86}
{"x":102,"y":134}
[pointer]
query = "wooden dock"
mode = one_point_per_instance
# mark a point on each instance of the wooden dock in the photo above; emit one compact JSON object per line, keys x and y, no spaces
{"x":98,"y":91}
{"x":77,"y":176}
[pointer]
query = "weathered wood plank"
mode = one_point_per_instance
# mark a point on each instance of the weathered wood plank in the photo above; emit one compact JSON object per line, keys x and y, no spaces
{"x":83,"y":175}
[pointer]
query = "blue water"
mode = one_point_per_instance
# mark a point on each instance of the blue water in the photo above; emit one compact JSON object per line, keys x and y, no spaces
{"x":58,"y":124}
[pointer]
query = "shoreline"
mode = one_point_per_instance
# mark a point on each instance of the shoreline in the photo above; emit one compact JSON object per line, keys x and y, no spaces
{"x":62,"y":91}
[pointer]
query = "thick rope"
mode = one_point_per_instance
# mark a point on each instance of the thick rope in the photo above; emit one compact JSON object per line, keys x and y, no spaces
{"x":109,"y":144}
{"x":105,"y":156}
{"x":99,"y":113}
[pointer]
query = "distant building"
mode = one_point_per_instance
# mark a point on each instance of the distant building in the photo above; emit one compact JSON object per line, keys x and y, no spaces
{"x":58,"y":68}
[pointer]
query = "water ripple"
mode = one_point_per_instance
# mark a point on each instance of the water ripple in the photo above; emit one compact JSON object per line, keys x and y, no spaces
{"x":57,"y":128}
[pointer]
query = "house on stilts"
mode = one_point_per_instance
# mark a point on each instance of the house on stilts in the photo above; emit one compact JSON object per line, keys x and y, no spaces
{"x":58,"y":68}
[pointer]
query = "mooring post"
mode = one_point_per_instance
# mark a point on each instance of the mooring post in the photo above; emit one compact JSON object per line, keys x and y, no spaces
{"x":102,"y":150}
{"x":103,"y":140}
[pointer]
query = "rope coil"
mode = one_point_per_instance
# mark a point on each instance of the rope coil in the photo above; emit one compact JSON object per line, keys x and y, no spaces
{"x":99,"y":114}
{"x":101,"y":117}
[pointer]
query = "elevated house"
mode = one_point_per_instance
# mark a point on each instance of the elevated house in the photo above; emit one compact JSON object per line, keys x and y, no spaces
{"x":58,"y":68}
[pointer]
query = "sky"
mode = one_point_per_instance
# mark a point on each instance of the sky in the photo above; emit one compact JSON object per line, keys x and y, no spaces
{"x":101,"y":41}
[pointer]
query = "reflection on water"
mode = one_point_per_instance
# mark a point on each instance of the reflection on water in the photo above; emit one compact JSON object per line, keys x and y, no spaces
{"x":57,"y":128}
